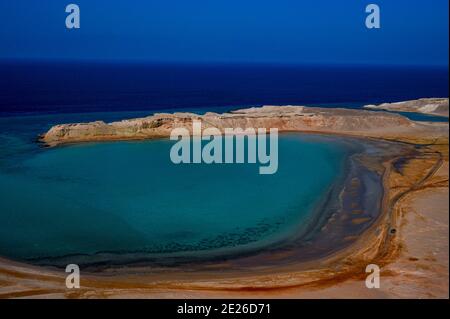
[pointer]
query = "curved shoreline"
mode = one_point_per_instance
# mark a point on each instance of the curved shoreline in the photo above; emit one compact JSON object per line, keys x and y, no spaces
{"x":314,"y":227}
{"x":243,"y":263}
{"x":377,"y":244}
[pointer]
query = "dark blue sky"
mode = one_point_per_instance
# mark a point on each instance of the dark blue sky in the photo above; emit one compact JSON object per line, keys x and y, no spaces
{"x":279,"y":31}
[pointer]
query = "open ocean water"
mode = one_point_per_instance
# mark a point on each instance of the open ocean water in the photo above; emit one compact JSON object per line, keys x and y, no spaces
{"x":99,"y":87}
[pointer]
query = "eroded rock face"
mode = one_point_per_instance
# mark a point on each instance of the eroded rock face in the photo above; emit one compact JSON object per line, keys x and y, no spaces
{"x":434,"y":106}
{"x":284,"y":118}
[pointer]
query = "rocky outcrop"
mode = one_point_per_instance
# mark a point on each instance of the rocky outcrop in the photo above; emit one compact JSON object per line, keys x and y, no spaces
{"x":284,"y":118}
{"x":433,"y":106}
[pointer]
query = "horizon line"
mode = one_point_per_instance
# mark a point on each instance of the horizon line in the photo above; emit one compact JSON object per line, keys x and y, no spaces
{"x":217,"y":62}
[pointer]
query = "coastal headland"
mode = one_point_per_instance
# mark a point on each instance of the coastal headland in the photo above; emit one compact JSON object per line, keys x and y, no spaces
{"x":286,"y":118}
{"x":408,"y":239}
{"x":437,"y":106}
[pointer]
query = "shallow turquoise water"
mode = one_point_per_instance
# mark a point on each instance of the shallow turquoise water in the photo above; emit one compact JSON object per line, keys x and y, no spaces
{"x":129,"y":197}
{"x":420,"y":117}
{"x":424,"y":117}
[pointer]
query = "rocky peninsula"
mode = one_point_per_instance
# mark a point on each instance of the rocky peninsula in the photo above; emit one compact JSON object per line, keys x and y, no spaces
{"x":285,"y":118}
{"x":432,"y":106}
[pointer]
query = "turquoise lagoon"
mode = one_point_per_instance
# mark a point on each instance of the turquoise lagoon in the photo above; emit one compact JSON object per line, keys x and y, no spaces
{"x":121,"y":198}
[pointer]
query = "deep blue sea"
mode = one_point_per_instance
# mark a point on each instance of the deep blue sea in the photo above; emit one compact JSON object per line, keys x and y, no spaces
{"x":98,"y":87}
